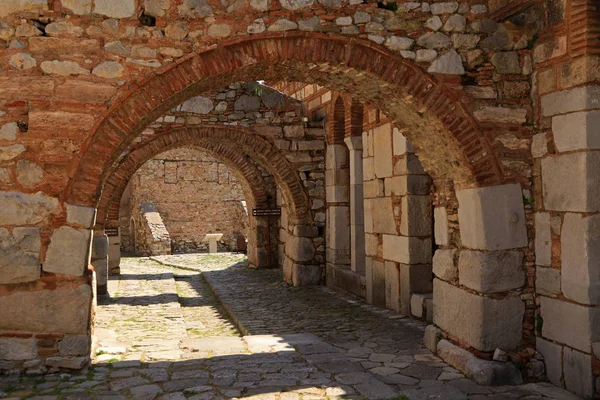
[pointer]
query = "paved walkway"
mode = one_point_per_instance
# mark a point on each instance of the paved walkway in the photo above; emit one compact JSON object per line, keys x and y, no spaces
{"x":163,"y":334}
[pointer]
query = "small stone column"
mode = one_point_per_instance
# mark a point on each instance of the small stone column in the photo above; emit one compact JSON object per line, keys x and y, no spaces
{"x":357,"y":215}
{"x":114,"y":254}
{"x":212,"y":239}
{"x":100,"y":260}
{"x":337,"y":179}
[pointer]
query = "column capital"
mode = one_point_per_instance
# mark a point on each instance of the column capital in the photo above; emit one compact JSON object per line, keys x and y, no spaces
{"x":354,"y":142}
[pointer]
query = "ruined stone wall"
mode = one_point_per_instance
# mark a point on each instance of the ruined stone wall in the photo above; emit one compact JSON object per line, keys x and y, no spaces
{"x":194,"y":194}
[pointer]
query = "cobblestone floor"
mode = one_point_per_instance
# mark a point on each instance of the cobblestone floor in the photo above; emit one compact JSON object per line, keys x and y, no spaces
{"x":163,"y":334}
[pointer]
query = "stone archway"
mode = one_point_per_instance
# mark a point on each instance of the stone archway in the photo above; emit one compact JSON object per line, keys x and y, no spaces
{"x":411,"y":97}
{"x":238,"y":162}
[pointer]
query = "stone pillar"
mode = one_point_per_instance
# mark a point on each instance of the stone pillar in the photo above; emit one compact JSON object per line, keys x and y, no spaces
{"x":493,"y":235}
{"x":357,"y":213}
{"x":99,"y":259}
{"x":114,"y":254}
{"x":212,"y":239}
{"x":567,"y":236}
{"x":337,"y":182}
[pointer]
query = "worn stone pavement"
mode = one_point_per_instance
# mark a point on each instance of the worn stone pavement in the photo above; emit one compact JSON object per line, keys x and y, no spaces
{"x":163,"y":334}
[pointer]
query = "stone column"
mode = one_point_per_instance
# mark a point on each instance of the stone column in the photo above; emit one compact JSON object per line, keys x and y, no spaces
{"x":357,"y":214}
{"x":99,"y":259}
{"x":114,"y":254}
{"x":337,"y":180}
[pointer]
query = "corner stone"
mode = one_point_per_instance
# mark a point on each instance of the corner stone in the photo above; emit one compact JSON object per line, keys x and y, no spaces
{"x":68,"y":252}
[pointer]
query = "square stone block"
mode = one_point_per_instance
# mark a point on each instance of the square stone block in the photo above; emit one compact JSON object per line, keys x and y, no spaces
{"x":579,"y":378}
{"x":17,"y":348}
{"x":401,"y":144}
{"x":407,"y":249}
{"x":382,"y":146}
{"x":553,"y":359}
{"x":571,"y":100}
{"x":443,"y":265}
{"x":547,"y":281}
{"x":336,"y":157}
{"x":63,"y":309}
{"x":382,"y":216}
{"x":491,"y":272}
{"x":416,"y":216}
{"x":580,"y":258}
{"x":339,"y":227}
{"x":583,"y":323}
{"x":69,"y":251}
{"x":417,"y":303}
{"x":337,"y":194}
{"x":368,"y":168}
{"x":492,"y":217}
{"x":440,"y":226}
{"x":85,"y":217}
{"x":407,"y":184}
{"x":482,"y":322}
{"x":543,"y":239}
{"x":19,"y":255}
{"x":570,"y":182}
{"x":576,"y":131}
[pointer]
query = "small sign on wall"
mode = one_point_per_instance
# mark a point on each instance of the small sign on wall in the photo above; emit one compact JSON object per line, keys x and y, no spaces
{"x":111,"y":231}
{"x":266,"y":212}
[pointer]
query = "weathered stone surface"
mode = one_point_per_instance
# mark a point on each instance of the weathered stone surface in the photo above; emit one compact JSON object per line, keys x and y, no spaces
{"x":416,"y":216}
{"x":430,"y":338}
{"x":64,"y":68}
{"x":219,"y":30}
{"x":569,"y":183}
{"x":407,"y":250}
{"x":74,"y":345}
{"x":492,"y":218}
{"x":417,"y":303}
{"x":247,"y":103}
{"x":434,"y":23}
{"x":197,"y":105}
{"x":572,"y":100}
{"x":443,"y":265}
{"x":22,"y":61}
{"x":440,"y":226}
{"x":10,"y":152}
{"x":68,"y":252}
{"x":491,"y":272}
{"x":577,"y":369}
{"x":299,"y":248}
{"x":63,"y":310}
{"x":257,"y":26}
{"x":306,"y":275}
{"x":552,"y":359}
{"x":426,"y":55}
{"x":580,"y":258}
{"x":109,"y":70}
{"x":482,"y":322}
{"x":11,"y":6}
{"x":309,"y":24}
{"x":115,"y":8}
{"x":506,"y":62}
{"x":543,"y":240}
{"x":67,"y":362}
{"x":398,"y":43}
{"x":29,"y":173}
{"x":85,"y":217}
{"x":444,"y":8}
{"x":6,"y":31}
{"x":556,"y":314}
{"x":455,"y":23}
{"x":117,"y":47}
{"x":483,"y":372}
{"x":547,"y":281}
{"x":449,"y":63}
{"x":576,"y":131}
{"x":177,"y":31}
{"x":196,"y":8}
{"x":283,"y":25}
{"x":502,"y":115}
{"x":295,"y":4}
{"x":19,"y":255}
{"x":464,"y":42}
{"x":382,"y":142}
{"x":63,"y":28}
{"x":17,"y":349}
{"x":9,"y":131}
{"x":81,"y":7}
{"x":26,"y":209}
{"x":434,"y":40}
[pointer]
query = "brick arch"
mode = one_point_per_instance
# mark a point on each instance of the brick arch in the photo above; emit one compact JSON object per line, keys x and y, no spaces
{"x":447,"y":139}
{"x":235,"y":144}
{"x":337,"y":125}
{"x":247,"y":174}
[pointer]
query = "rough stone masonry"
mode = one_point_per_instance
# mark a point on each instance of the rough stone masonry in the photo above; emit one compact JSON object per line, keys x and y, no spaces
{"x":483,"y":110}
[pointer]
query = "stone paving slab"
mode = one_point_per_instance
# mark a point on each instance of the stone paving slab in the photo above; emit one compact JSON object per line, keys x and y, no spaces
{"x":163,"y":334}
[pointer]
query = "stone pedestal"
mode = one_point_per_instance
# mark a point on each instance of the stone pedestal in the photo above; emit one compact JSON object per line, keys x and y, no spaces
{"x":212,"y":239}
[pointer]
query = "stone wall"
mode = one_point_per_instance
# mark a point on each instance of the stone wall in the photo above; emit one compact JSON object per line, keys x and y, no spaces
{"x":194,"y":194}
